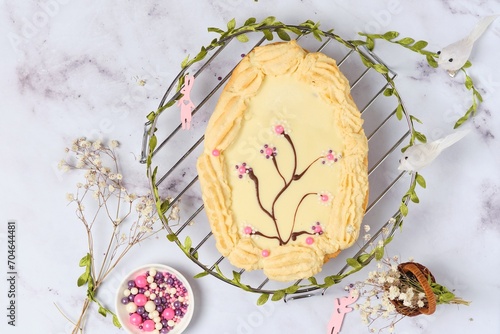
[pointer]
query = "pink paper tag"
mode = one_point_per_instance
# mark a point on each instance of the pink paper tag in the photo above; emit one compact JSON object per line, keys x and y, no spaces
{"x":187,"y":106}
{"x":339,"y":312}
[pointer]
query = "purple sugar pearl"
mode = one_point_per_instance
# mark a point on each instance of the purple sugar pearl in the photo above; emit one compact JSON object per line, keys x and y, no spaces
{"x":131,"y":298}
{"x":164,"y":330}
{"x":160,"y":308}
{"x":131,"y":284}
{"x":125,"y":300}
{"x":177,"y":304}
{"x":170,"y":280}
{"x":140,"y":310}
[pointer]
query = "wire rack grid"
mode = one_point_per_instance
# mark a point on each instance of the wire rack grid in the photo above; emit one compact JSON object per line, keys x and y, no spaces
{"x":179,"y":179}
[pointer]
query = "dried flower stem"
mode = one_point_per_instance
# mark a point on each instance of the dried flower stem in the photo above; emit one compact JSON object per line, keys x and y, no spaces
{"x":108,"y":191}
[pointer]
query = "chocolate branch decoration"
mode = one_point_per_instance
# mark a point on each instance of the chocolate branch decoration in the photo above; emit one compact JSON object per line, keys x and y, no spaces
{"x":271,"y":152}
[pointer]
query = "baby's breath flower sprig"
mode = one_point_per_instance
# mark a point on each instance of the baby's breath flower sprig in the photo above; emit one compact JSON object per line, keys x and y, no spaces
{"x":103,"y":196}
{"x":390,"y":293}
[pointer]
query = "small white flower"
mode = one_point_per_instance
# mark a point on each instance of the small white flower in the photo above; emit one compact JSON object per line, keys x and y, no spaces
{"x":393,"y":292}
{"x":97,"y":144}
{"x":392,"y":221}
{"x":95,"y":195}
{"x":119,"y":176}
{"x":70,"y":197}
{"x":111,"y":188}
{"x":420,"y":303}
{"x":114,"y":144}
{"x":112,"y":176}
{"x":366,"y":228}
{"x":367,"y":237}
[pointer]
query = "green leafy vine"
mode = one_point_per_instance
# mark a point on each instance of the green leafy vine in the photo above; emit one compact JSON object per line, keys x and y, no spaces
{"x":268,"y":27}
{"x":419,"y":47}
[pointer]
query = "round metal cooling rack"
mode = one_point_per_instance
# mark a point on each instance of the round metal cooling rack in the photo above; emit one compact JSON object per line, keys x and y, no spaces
{"x":171,"y":165}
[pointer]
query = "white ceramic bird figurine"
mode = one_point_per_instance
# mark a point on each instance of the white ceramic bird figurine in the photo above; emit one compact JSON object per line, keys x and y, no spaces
{"x":454,"y":56}
{"x":418,"y":156}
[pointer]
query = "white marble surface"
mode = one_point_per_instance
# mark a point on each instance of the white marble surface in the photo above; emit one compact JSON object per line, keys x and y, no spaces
{"x":71,"y":68}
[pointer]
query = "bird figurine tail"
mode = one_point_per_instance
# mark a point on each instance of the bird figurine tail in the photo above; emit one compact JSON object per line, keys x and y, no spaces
{"x":451,"y":138}
{"x":481,"y":26}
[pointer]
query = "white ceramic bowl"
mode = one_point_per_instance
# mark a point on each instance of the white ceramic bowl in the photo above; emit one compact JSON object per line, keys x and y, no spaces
{"x":123,"y":315}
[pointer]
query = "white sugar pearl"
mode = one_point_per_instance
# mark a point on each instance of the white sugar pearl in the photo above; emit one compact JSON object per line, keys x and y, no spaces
{"x":152,"y":296}
{"x":173,"y":291}
{"x":171,"y":323}
{"x":152,"y":271}
{"x":126,"y":292}
{"x":150,"y":315}
{"x":131,"y":307}
{"x":160,"y":294}
{"x":153,"y":285}
{"x":181,"y":299}
{"x":134,"y":291}
{"x":150,"y":279}
{"x":157,"y":320}
{"x":147,"y":293}
{"x":155,"y":332}
{"x":155,"y":314}
{"x":158,"y":325}
{"x":150,"y":306}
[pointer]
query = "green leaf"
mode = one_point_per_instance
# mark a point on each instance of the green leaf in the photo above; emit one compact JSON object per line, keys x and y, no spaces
{"x":165,"y":205}
{"x":413,"y":118}
{"x":332,"y":280}
{"x":116,"y":322}
{"x":432,"y":62}
{"x":200,"y":275}
{"x":242,"y":38}
{"x":85,"y":261}
{"x":278,"y":295}
{"x":152,"y":142}
{"x":420,"y":45}
{"x":236,"y":276}
{"x":185,"y":62}
{"x":379,"y":253}
{"x":370,"y":43}
{"x":420,"y":180}
{"x":317,"y":35}
{"x":446,"y":297}
{"x":406,"y":41}
{"x":171,"y":237}
{"x":420,"y":137}
{"x":404,"y":209}
{"x":292,"y":289}
{"x":151,"y":116}
{"x":353,"y":263}
{"x":388,"y":91}
{"x":366,"y":61}
{"x":467,"y":64}
{"x":84,"y":278}
{"x":269,"y":20}
{"x":216,"y":30}
{"x":188,"y":243}
{"x":250,"y":21}
{"x":363,"y":257}
{"x":217,"y":269}
{"x":263,"y":299}
{"x":283,"y":34}
{"x":390,"y":35}
{"x":414,"y":198}
{"x":380,"y":68}
{"x":268,"y":34}
{"x":102,"y":311}
{"x":313,"y":280}
{"x":399,"y":112}
{"x":468,"y":82}
{"x":231,"y":24}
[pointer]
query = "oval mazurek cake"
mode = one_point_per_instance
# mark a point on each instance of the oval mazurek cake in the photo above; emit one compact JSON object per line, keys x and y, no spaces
{"x":284,"y":169}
